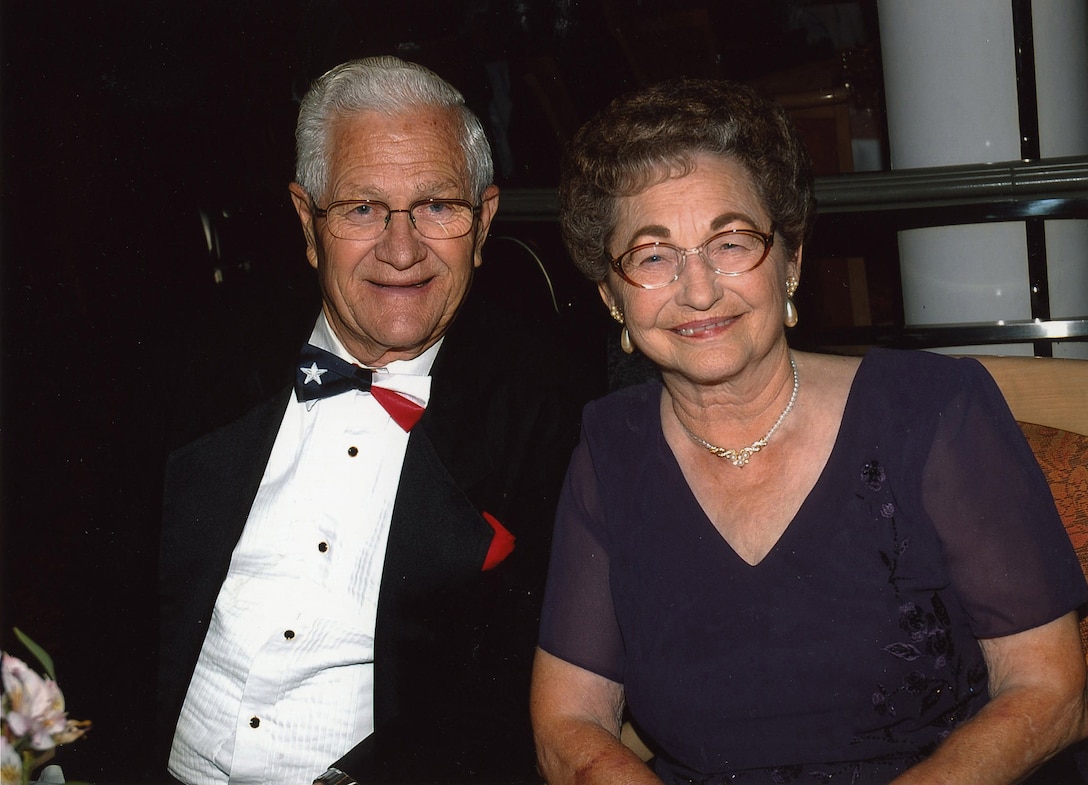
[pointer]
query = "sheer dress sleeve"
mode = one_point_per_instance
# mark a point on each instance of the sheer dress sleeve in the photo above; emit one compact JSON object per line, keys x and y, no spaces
{"x":1010,"y":560}
{"x":578,"y":622}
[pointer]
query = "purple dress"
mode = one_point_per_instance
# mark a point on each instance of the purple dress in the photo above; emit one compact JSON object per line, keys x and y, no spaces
{"x":850,"y":651}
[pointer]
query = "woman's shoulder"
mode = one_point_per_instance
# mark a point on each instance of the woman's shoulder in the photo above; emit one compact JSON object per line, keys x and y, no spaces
{"x":634,"y":409}
{"x":919,"y":374}
{"x":910,"y":391}
{"x":635,"y":397}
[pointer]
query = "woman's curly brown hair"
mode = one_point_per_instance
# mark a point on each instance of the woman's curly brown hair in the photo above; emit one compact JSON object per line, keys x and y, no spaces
{"x":650,"y":136}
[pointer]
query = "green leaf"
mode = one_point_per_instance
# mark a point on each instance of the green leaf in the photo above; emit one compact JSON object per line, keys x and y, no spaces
{"x":39,"y":653}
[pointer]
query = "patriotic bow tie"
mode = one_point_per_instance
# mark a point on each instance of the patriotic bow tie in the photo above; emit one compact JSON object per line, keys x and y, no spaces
{"x":322,"y":374}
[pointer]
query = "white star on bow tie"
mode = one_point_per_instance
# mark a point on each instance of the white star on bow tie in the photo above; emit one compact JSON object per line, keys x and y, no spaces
{"x":313,"y":373}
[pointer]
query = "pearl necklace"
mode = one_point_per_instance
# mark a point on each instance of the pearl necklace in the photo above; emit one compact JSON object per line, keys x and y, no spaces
{"x":739,"y":458}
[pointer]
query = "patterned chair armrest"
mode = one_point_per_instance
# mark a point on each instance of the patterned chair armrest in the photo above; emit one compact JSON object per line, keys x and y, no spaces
{"x":1063,"y":456}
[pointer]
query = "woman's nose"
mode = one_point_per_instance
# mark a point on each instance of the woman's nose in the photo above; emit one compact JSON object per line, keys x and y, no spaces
{"x":700,"y":286}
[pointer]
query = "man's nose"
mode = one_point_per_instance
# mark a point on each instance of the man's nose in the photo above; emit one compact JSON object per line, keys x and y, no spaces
{"x":400,"y":244}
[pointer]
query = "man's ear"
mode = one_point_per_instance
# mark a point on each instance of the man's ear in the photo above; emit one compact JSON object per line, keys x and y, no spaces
{"x":489,"y":205}
{"x":303,"y":207}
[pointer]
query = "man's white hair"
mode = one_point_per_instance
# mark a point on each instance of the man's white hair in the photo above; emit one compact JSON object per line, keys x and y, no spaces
{"x":388,"y":85}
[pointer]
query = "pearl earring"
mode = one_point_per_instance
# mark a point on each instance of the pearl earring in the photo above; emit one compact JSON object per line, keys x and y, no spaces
{"x":626,"y":343}
{"x":791,"y":309}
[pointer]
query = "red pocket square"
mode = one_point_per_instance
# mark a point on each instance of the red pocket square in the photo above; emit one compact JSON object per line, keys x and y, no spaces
{"x":502,"y":543}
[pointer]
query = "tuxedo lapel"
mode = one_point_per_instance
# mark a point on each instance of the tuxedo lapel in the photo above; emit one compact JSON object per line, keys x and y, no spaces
{"x":453,"y":642}
{"x":199,"y":533}
{"x":227,"y":465}
{"x":437,"y":541}
{"x":438,"y":534}
{"x":438,"y":538}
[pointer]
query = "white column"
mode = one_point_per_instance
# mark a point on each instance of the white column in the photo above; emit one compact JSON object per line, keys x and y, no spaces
{"x":1061,"y":67}
{"x":950,"y":84}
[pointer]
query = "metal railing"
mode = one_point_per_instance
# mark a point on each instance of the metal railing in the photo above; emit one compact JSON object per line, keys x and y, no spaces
{"x":908,"y":199}
{"x":1045,"y":184}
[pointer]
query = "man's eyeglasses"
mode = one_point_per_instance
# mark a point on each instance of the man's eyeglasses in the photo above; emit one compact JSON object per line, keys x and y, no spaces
{"x":732,"y":252}
{"x":366,"y":219}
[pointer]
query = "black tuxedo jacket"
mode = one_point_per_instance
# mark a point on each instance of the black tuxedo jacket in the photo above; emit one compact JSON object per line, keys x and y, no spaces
{"x":454,"y":643}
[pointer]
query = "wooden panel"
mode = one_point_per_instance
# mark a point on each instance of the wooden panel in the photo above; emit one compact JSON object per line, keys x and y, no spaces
{"x":1044,"y":390}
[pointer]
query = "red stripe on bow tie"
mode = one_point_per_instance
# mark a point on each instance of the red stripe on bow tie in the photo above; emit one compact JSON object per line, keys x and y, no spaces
{"x":404,"y":412}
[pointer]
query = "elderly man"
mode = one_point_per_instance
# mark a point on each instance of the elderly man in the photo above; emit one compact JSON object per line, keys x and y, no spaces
{"x":351,"y":582}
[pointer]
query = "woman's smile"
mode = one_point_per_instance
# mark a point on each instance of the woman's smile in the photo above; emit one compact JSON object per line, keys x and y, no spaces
{"x":705,"y":327}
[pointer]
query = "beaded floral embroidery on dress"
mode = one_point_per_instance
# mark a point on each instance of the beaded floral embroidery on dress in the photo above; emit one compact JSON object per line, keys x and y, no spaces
{"x":942,"y":674}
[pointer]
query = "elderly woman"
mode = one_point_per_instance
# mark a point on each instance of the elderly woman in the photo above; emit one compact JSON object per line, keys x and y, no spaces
{"x":785,"y":566}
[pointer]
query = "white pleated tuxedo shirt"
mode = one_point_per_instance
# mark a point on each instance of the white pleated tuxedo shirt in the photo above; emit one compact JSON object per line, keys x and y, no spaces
{"x":284,"y":683}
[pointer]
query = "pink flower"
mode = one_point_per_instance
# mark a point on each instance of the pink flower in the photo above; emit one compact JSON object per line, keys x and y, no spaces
{"x":11,"y":763}
{"x":34,"y":708}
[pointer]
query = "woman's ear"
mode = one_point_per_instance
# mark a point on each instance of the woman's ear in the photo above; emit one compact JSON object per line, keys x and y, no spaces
{"x":606,"y":294}
{"x":793,"y":267}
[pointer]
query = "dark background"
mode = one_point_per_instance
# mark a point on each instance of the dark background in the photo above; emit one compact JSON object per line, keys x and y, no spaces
{"x":122,"y":334}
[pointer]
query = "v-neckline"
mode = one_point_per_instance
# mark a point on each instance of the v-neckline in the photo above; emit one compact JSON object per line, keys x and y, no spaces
{"x":846,"y":426}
